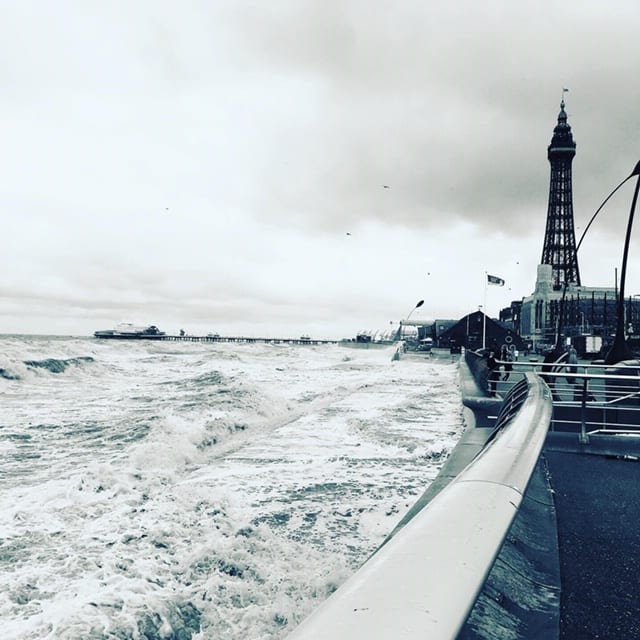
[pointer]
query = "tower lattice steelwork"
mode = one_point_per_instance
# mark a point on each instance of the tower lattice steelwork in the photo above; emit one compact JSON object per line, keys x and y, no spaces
{"x":559,"y":239}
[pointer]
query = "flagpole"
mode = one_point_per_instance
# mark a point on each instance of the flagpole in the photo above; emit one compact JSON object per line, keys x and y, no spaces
{"x":484,"y":310}
{"x":493,"y":280}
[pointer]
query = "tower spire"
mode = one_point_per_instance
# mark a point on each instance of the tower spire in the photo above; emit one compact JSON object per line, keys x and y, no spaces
{"x":559,"y":248}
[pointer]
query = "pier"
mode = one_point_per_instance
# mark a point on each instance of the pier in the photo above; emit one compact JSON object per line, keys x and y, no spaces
{"x":186,"y":338}
{"x":216,"y":338}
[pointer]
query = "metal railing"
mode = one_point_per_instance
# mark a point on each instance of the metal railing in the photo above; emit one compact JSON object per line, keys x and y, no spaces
{"x":424,"y":582}
{"x":587,"y":398}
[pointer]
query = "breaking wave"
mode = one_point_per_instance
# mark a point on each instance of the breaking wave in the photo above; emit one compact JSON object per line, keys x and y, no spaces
{"x":58,"y":366}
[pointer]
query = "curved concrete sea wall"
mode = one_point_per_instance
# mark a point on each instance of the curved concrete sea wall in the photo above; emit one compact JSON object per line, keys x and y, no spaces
{"x":475,"y":559}
{"x":521,"y":596}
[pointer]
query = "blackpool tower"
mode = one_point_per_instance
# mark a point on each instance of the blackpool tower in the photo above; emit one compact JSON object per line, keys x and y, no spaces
{"x":559,"y":249}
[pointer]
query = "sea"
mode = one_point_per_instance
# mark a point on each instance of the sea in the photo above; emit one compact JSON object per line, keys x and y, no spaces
{"x":161,"y":490}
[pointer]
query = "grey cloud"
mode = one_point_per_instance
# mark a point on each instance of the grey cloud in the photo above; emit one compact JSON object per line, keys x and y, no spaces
{"x":269,"y":129}
{"x":452,"y":103}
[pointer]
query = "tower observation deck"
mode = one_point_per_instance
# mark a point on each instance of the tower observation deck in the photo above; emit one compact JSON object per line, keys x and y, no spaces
{"x":559,"y":249}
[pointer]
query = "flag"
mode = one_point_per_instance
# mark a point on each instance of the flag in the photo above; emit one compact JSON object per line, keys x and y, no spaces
{"x":495,"y":280}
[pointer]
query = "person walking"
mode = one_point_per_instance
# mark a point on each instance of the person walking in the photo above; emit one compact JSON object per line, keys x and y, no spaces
{"x":508,"y":366}
{"x":572,"y":361}
{"x":494,"y":373}
{"x":505,"y":356}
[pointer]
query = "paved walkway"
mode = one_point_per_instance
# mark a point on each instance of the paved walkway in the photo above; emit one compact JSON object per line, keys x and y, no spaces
{"x":599,"y":539}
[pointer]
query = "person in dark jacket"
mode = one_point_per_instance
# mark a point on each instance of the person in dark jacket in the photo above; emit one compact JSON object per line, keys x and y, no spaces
{"x":507,"y":358}
{"x":494,"y":373}
{"x":572,"y":361}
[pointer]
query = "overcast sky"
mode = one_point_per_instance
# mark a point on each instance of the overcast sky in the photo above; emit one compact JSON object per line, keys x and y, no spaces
{"x":220,"y":166}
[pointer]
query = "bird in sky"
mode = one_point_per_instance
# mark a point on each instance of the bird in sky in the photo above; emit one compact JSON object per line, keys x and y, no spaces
{"x":385,"y":186}
{"x":348,"y":233}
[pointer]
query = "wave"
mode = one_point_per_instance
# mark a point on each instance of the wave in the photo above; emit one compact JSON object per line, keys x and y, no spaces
{"x":9,"y":375}
{"x":58,"y":366}
{"x":202,"y":490}
{"x":15,"y":370}
{"x":179,"y":620}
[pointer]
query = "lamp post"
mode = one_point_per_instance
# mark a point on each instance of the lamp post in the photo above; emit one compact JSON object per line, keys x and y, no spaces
{"x":484,"y":326}
{"x":582,"y":321}
{"x":620,"y":349}
{"x":418,"y":304}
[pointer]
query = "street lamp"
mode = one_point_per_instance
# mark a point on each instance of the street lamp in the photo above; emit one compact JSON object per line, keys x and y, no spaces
{"x":418,"y":304}
{"x":484,"y":326}
{"x":582,"y":321}
{"x":620,"y":350}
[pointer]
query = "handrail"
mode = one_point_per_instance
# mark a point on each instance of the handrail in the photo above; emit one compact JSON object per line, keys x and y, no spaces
{"x":587,"y":397}
{"x":425,"y":580}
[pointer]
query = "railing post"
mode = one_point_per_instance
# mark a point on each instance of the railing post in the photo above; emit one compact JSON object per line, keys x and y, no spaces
{"x":584,"y":438}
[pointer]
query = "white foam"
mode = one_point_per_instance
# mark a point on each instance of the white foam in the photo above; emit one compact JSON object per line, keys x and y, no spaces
{"x":315,"y":461}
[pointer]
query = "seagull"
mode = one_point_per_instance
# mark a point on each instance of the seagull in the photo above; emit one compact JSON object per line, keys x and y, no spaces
{"x":348,"y":233}
{"x":385,"y":186}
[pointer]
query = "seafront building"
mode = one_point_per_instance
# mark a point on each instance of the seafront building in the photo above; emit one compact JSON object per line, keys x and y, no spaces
{"x":561,"y":308}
